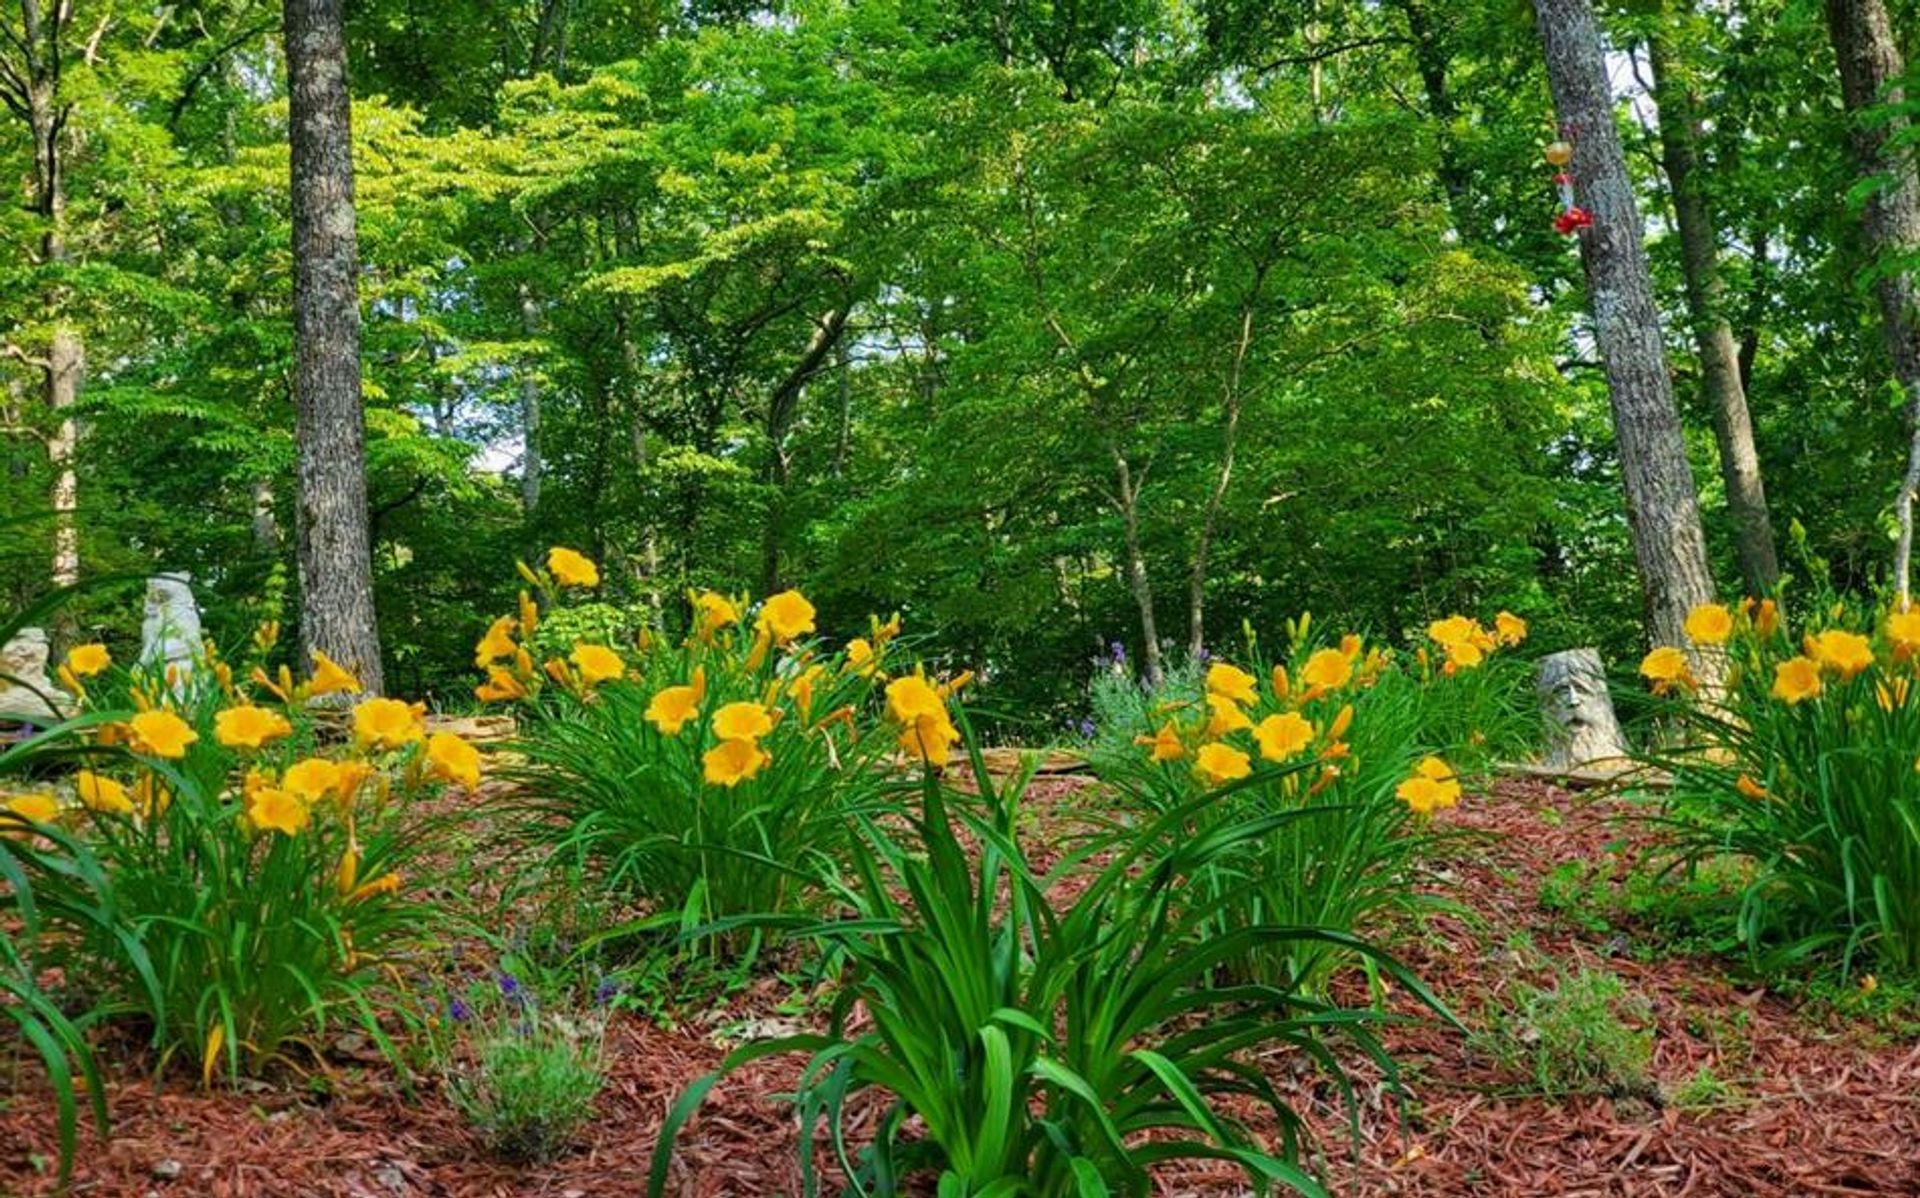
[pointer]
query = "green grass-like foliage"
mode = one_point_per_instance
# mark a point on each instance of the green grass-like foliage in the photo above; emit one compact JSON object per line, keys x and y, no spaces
{"x":610,"y":788}
{"x":1806,"y":767}
{"x":1042,"y":1049}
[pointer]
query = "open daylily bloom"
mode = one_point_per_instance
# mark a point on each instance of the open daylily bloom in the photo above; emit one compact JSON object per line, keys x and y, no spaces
{"x":713,"y":612}
{"x":571,"y":568}
{"x":1283,"y":736}
{"x":87,"y":660}
{"x":1667,"y":667}
{"x":1166,"y":743}
{"x":34,"y":808}
{"x":1903,"y":629}
{"x":912,"y":697}
{"x":1431,"y":787}
{"x":388,"y":723}
{"x":101,"y":793}
{"x":786,"y":616}
{"x":161,"y":734}
{"x":331,"y":678}
{"x":597,"y":663}
{"x":1218,"y":763}
{"x":930,"y":738}
{"x":732,"y":762}
{"x":1795,"y":680}
{"x":1327,"y":670}
{"x":452,"y":759}
{"x":496,"y":644}
{"x":1509,"y":629}
{"x":275,"y":810}
{"x":742,"y":721}
{"x":671,"y":708}
{"x":1232,"y":682}
{"x":1224,"y":716}
{"x":249,"y":727}
{"x":1845,"y":653}
{"x":1709,"y":624}
{"x":311,"y":779}
{"x":501,"y":686}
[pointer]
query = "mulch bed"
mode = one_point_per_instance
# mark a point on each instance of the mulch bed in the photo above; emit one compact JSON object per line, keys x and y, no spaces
{"x":1817,"y":1106}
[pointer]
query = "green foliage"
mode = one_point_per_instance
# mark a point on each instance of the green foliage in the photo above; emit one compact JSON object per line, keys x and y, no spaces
{"x":235,"y":942}
{"x":1806,"y":768}
{"x":523,"y":1067}
{"x":1041,"y":1049}
{"x":1588,"y":1034}
{"x":619,"y":775}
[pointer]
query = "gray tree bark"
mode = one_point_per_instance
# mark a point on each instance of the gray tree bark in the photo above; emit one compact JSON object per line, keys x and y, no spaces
{"x":532,"y":465}
{"x":335,"y":544}
{"x":1870,"y":69}
{"x":1663,"y":510}
{"x":1712,"y":333}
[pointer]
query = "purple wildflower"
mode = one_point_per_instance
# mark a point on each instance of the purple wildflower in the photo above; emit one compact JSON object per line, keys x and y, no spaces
{"x":458,"y":1011}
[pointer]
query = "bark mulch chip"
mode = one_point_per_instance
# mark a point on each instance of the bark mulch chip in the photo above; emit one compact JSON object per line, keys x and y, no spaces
{"x":1812,"y":1106}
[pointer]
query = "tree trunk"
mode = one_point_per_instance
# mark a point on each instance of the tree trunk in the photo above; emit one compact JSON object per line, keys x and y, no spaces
{"x":1870,"y":70}
{"x":42,"y":52}
{"x":532,"y":466}
{"x":1663,"y":510}
{"x":335,"y":549}
{"x":782,"y":408}
{"x":1231,"y":401}
{"x":1712,"y":334}
{"x":266,"y":527}
{"x":1138,"y":582}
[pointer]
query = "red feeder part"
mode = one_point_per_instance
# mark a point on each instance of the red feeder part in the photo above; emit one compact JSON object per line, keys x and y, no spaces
{"x":1572,"y":221}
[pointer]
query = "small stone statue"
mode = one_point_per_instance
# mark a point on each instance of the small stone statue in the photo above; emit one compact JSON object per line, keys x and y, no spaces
{"x":170,"y":637}
{"x":27,"y":695}
{"x":1581,"y":727}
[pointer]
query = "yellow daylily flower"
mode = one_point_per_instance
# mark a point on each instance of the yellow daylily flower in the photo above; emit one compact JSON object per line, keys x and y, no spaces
{"x":311,"y":779}
{"x":249,"y":727}
{"x":1709,"y":624}
{"x":452,"y":759}
{"x":596,"y":663}
{"x":786,"y":616}
{"x":1218,"y":763}
{"x":930,"y":738}
{"x":37,"y":808}
{"x":1509,"y":629}
{"x":1283,"y":736}
{"x":732,"y":762}
{"x":1232,"y":682}
{"x":912,"y":697}
{"x":1431,"y":787}
{"x":161,"y":734}
{"x":496,"y":644}
{"x":742,"y":721}
{"x":671,"y":708}
{"x":388,"y":723}
{"x":1845,"y":653}
{"x":1667,"y":667}
{"x":1166,"y":743}
{"x":330,"y":677}
{"x":272,"y":809}
{"x":1327,"y":670}
{"x":87,"y":660}
{"x":713,"y":612}
{"x":100,"y":793}
{"x":1796,"y":680}
{"x":572,"y":569}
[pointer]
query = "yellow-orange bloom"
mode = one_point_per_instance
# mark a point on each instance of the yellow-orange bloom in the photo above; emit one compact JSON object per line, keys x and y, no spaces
{"x":732,"y":762}
{"x":786,"y":616}
{"x":452,"y":759}
{"x":671,"y":708}
{"x":276,"y":810}
{"x":1509,"y":629}
{"x":331,"y":678}
{"x":596,"y":663}
{"x":101,"y":793}
{"x":712,"y":612}
{"x":161,"y":734}
{"x":249,"y":727}
{"x":1845,"y":653}
{"x":1796,"y":679}
{"x":1327,"y":670}
{"x":572,"y":569}
{"x":1224,"y":716}
{"x":87,"y":660}
{"x":496,"y":644}
{"x":388,"y":723}
{"x":930,"y":738}
{"x":1218,"y":763}
{"x":501,"y":686}
{"x":1431,"y":787}
{"x":1748,"y":787}
{"x":860,"y":657}
{"x":1709,"y":624}
{"x":742,"y":721}
{"x":1232,"y":682}
{"x":1283,"y":736}
{"x":1166,"y":743}
{"x":911,"y":697}
{"x":37,"y":808}
{"x":311,"y":779}
{"x":1667,"y":667}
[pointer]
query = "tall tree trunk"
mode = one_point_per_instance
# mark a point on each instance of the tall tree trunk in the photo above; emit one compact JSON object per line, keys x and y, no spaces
{"x":1663,"y":510}
{"x":335,"y":545}
{"x":1712,"y":333}
{"x":37,"y":73}
{"x":1870,"y":69}
{"x":1231,"y":402}
{"x":783,"y":406}
{"x":266,"y":527}
{"x":532,"y":466}
{"x":1138,"y":582}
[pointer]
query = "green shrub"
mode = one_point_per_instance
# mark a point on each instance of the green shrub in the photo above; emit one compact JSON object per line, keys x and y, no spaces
{"x":1805,"y":767}
{"x":522,"y":1069}
{"x":1026,"y":1050}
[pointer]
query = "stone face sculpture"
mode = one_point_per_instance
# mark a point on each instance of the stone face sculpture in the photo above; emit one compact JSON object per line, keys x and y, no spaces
{"x":170,"y":634}
{"x":26,"y":693}
{"x":1582,"y":728}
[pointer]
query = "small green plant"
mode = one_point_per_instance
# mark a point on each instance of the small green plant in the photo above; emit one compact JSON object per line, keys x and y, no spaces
{"x":1029,"y":1050}
{"x":521,"y":1068}
{"x":1587,"y":1034}
{"x":1703,"y":1091}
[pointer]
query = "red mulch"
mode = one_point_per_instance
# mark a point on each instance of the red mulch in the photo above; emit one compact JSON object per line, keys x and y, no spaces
{"x":1819,"y":1106}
